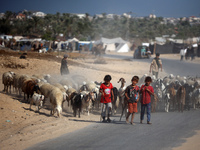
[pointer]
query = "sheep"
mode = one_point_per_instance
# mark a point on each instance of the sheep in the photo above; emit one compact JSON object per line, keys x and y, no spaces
{"x":56,"y":99}
{"x":46,"y":89}
{"x":68,"y":83}
{"x":38,"y":76}
{"x":89,"y":87}
{"x":61,"y":87}
{"x":65,"y":95}
{"x":29,"y":87}
{"x":182,"y":80}
{"x":50,"y":79}
{"x":196,"y":98}
{"x":22,"y":78}
{"x":37,"y":99}
{"x":7,"y":80}
{"x":16,"y":83}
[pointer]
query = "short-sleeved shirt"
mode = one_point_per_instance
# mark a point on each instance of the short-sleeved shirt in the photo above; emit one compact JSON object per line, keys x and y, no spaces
{"x":146,"y":95}
{"x":132,"y":93}
{"x":107,"y":93}
{"x":155,"y":67}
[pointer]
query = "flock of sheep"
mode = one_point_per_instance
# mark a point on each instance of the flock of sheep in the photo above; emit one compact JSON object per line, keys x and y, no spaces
{"x":171,"y":92}
{"x":40,"y":88}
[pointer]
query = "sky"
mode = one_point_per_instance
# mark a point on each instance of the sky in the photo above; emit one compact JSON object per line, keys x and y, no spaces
{"x":139,"y":8}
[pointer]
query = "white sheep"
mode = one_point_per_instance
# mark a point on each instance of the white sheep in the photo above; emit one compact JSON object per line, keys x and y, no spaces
{"x":56,"y":99}
{"x":37,"y":99}
{"x":16,"y":83}
{"x":7,"y":80}
{"x":45,"y":90}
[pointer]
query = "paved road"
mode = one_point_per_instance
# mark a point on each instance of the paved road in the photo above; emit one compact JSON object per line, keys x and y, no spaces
{"x":168,"y":130}
{"x":175,"y":67}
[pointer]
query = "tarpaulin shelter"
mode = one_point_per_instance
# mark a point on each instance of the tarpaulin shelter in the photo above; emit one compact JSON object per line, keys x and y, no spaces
{"x":115,"y":44}
{"x":123,"y":48}
{"x":109,"y":41}
{"x":169,"y":48}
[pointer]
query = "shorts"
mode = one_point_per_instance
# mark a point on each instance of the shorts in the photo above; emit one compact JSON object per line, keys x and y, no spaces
{"x":132,"y":107}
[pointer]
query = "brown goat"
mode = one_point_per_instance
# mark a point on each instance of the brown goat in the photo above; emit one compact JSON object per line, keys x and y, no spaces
{"x":180,"y":95}
{"x":29,"y":86}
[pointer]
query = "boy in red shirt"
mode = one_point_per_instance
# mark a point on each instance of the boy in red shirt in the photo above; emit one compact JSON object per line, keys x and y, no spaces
{"x":132,"y":96}
{"x":106,"y":89}
{"x":146,"y":91}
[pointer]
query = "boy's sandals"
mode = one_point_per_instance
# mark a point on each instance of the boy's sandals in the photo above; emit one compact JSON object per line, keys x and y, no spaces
{"x":108,"y":120}
{"x":149,"y":122}
{"x":132,"y":123}
{"x":141,"y":121}
{"x":104,"y":120}
{"x":127,"y":122}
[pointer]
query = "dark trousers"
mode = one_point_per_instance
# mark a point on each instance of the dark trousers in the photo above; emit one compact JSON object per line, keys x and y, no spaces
{"x":182,"y":57}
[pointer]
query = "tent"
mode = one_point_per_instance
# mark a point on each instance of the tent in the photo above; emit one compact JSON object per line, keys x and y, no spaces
{"x":73,"y":40}
{"x":109,"y":41}
{"x":123,"y":48}
{"x":115,"y":44}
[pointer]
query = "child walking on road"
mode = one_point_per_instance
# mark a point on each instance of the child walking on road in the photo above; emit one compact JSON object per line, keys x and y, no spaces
{"x":146,"y":91}
{"x":132,"y":96}
{"x":106,"y":89}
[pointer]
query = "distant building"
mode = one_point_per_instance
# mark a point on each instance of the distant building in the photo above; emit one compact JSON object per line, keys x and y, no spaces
{"x":110,"y":16}
{"x":39,"y":14}
{"x":1,"y":15}
{"x":126,"y":15}
{"x":81,"y":16}
{"x":152,"y":16}
{"x":99,"y":16}
{"x":21,"y":16}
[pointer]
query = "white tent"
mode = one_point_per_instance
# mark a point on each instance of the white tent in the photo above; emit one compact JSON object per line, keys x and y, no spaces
{"x":110,"y":44}
{"x":110,"y":47}
{"x":122,"y":48}
{"x":73,"y":40}
{"x":110,"y":41}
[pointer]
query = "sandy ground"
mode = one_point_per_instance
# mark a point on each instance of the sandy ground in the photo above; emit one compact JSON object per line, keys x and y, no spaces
{"x":21,"y":127}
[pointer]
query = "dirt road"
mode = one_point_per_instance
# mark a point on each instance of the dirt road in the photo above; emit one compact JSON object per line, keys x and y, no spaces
{"x":20,"y":127}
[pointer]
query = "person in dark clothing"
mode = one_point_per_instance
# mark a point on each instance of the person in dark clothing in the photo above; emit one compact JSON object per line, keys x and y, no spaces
{"x":198,"y":50}
{"x":192,"y":53}
{"x":187,"y":54}
{"x":64,"y":68}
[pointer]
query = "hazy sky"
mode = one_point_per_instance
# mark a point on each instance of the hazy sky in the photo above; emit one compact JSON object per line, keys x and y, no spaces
{"x":164,"y":8}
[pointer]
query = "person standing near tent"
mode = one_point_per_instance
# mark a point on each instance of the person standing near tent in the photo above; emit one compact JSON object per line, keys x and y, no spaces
{"x":64,"y":68}
{"x":192,"y":53}
{"x":182,"y":53}
{"x":155,"y":65}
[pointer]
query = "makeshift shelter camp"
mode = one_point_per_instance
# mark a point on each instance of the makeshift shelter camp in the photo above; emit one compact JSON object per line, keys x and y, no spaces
{"x":115,"y":44}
